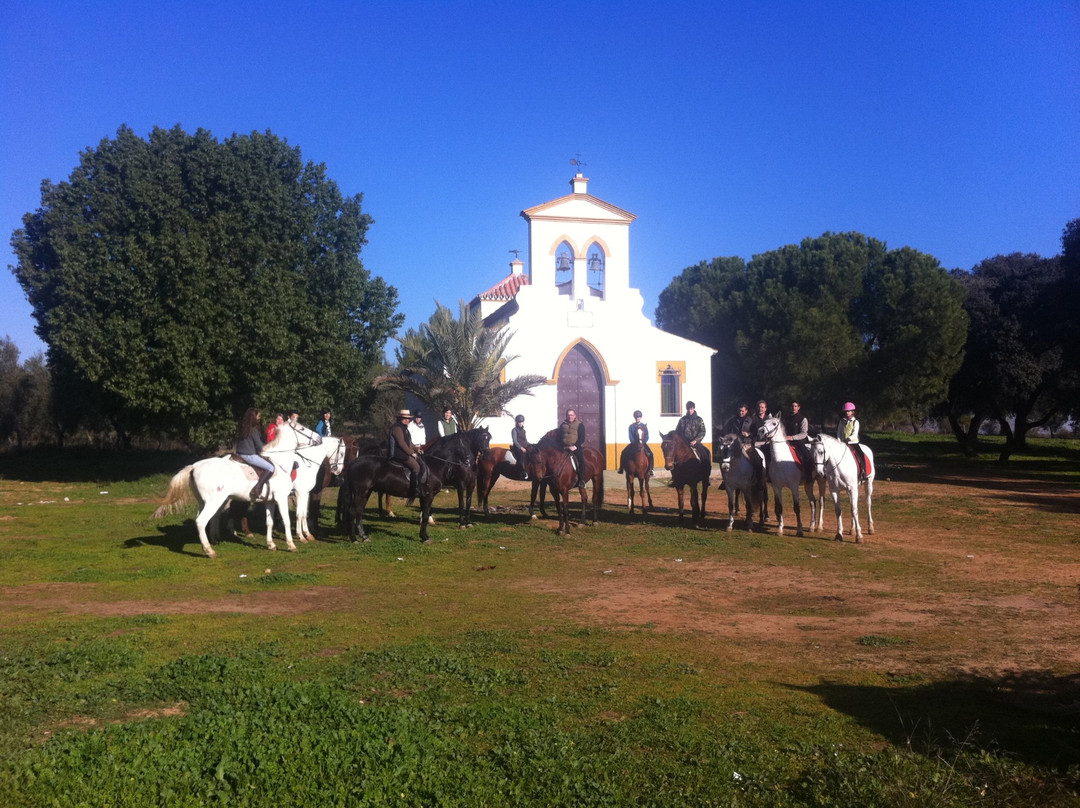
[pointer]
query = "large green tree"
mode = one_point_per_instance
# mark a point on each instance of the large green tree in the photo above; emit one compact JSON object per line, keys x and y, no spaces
{"x":1017,"y":370}
{"x":177,"y":280}
{"x":458,"y":362}
{"x":831,"y":318}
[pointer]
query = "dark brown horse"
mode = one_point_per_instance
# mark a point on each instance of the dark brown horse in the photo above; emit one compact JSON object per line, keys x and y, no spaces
{"x":688,"y":468}
{"x":554,"y":467}
{"x":635,"y":462}
{"x":450,"y":458}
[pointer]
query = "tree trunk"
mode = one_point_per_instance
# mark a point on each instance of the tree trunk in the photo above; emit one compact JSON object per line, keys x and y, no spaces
{"x":1010,"y":439}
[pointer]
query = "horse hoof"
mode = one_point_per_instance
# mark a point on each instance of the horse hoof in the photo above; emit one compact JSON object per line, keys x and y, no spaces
{"x":799,"y":533}
{"x":426,"y":541}
{"x":533,"y":517}
{"x":292,"y":549}
{"x":858,"y":539}
{"x":211,"y":554}
{"x":839,"y":537}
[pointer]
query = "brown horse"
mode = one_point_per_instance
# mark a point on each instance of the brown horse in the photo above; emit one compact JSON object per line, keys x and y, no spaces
{"x":492,"y":465}
{"x":554,"y":467}
{"x":688,"y":468}
{"x":636,"y":465}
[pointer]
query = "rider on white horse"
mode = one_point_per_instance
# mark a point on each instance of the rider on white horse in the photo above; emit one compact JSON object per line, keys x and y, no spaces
{"x":249,"y":445}
{"x":796,"y":427}
{"x":848,"y":432}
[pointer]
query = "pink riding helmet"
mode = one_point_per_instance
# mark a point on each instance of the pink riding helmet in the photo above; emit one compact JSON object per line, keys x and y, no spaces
{"x":848,"y":406}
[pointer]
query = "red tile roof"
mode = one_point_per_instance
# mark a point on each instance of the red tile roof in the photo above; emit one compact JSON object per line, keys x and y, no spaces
{"x":507,"y":288}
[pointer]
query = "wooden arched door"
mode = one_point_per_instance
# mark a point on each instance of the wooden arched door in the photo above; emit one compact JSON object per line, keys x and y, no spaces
{"x":581,"y":388}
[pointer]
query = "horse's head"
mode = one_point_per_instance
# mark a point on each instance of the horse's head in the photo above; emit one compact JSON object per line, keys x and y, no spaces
{"x":337,"y":457}
{"x":818,"y":453}
{"x":481,"y":440}
{"x":771,"y":430}
{"x":534,"y":461}
{"x":727,"y":450}
{"x":669,"y":445}
{"x":639,"y":431}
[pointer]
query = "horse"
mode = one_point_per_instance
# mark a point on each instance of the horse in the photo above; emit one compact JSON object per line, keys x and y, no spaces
{"x":635,"y":462}
{"x":215,"y":480}
{"x":787,"y":470}
{"x":463,"y":476}
{"x":492,"y":465}
{"x":835,"y":461}
{"x":452,"y":456}
{"x":687,"y":468}
{"x":743,"y":470}
{"x":314,"y":452}
{"x":552,"y":465}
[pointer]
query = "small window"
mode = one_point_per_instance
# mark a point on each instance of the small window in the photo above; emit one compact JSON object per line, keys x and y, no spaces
{"x":670,"y":391}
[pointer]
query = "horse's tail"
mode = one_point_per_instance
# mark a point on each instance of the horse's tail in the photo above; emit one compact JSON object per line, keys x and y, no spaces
{"x":179,"y":493}
{"x":598,"y":489}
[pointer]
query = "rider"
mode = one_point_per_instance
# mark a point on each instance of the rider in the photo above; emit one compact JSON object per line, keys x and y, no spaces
{"x":573,"y":440}
{"x":797,"y":429}
{"x":248,"y":446}
{"x":323,"y":427}
{"x":274,"y":427}
{"x":632,"y":432}
{"x":519,"y":444}
{"x":757,"y":421}
{"x":692,"y":427}
{"x":447,"y":424}
{"x":740,"y":424}
{"x":403,"y":450}
{"x":417,"y":431}
{"x":848,"y":432}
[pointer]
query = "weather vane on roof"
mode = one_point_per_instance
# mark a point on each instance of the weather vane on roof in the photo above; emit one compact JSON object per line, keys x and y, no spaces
{"x":516,"y":253}
{"x":577,"y":163}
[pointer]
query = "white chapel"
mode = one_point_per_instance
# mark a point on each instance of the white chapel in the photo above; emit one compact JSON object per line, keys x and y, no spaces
{"x":576,"y":320}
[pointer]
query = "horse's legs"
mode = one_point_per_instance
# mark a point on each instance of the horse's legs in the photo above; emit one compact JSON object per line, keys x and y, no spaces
{"x":839,"y":513}
{"x":584,"y":506}
{"x":679,"y":491}
{"x":301,"y":515}
{"x":870,"y":506}
{"x":425,"y":514}
{"x":856,"y":527}
{"x":358,"y":502}
{"x":778,"y":505}
{"x":795,"y":504}
{"x":210,"y":507}
{"x":282,"y":500}
{"x":648,"y":493}
{"x":630,"y":493}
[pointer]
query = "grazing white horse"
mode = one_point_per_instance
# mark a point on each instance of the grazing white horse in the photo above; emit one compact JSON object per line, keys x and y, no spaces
{"x":743,"y":470}
{"x":835,"y":462}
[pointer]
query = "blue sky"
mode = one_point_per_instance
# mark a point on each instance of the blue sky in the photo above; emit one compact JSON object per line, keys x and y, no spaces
{"x":727,"y":128}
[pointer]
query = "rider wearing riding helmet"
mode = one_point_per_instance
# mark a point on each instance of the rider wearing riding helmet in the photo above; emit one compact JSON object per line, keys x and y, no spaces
{"x":632,"y":431}
{"x":248,"y":446}
{"x":848,"y":432}
{"x":519,"y":444}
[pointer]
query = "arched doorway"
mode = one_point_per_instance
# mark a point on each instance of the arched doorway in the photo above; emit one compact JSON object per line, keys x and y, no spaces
{"x":581,"y":388}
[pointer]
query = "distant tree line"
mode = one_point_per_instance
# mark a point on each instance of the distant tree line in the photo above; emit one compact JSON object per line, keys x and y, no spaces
{"x":842,"y":317}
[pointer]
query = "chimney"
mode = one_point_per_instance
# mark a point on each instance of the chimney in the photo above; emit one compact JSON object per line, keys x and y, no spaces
{"x":580,"y":184}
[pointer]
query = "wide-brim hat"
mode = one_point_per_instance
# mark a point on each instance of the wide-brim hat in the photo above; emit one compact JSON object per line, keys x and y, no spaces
{"x":404,"y":414}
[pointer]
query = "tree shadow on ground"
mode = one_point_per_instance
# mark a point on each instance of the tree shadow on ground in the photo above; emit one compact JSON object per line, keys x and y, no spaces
{"x":83,"y":464}
{"x":1030,"y":716}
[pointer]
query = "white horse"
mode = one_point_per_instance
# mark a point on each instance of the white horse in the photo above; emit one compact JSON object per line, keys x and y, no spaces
{"x":785,"y":471}
{"x":743,"y":470}
{"x":300,"y":448}
{"x":216,"y":480}
{"x":833,"y":460}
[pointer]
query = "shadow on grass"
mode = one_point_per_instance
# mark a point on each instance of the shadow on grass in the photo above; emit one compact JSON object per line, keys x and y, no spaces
{"x":182,"y":539}
{"x":1030,"y":716}
{"x":82,"y":464}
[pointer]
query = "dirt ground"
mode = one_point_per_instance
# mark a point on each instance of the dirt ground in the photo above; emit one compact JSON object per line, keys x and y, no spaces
{"x":992,"y":601}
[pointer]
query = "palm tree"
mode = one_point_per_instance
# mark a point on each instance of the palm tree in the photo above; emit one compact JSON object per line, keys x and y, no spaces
{"x":458,"y":362}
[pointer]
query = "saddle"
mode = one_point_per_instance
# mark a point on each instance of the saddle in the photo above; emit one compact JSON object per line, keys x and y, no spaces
{"x":860,"y":462}
{"x":252,"y":473}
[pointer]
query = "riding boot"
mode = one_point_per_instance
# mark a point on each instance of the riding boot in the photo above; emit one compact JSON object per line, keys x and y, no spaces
{"x":264,"y":478}
{"x":414,"y":485}
{"x":580,"y":481}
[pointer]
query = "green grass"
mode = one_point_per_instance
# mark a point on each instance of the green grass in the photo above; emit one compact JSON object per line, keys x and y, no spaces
{"x":471,"y":671}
